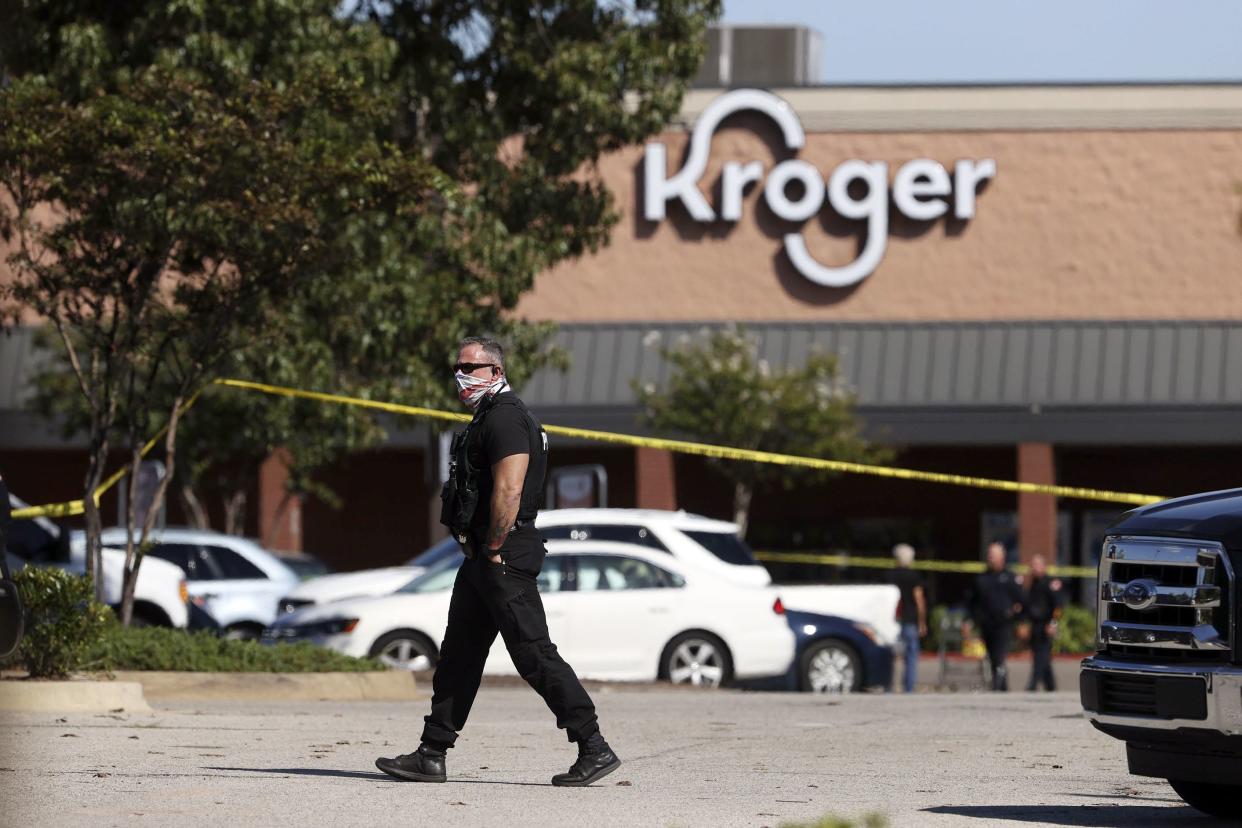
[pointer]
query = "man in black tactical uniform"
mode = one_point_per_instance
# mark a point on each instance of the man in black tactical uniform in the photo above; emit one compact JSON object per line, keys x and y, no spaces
{"x":1042,"y":608}
{"x":996,"y":601}
{"x":495,"y":488}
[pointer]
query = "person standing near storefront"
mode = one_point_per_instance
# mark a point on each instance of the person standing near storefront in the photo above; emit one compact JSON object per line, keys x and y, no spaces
{"x":495,"y":487}
{"x":911,"y":611}
{"x":6,"y":510}
{"x":1042,"y":608}
{"x":995,"y":603}
{"x":11,"y":613}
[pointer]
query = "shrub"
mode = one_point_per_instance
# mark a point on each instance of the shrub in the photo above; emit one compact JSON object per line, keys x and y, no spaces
{"x":160,"y":648}
{"x":1076,"y":633}
{"x":63,"y":621}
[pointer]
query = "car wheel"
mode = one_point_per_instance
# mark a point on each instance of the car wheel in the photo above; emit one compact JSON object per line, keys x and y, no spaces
{"x":405,"y":650}
{"x":148,"y":615}
{"x":830,"y":666}
{"x":696,"y":658}
{"x":243,"y":632}
{"x":1220,"y":801}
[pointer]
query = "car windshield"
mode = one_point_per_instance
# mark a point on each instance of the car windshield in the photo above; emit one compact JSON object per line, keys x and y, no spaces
{"x":305,"y":566}
{"x":35,"y":539}
{"x":447,"y":549}
{"x":726,"y":546}
{"x":437,"y":578}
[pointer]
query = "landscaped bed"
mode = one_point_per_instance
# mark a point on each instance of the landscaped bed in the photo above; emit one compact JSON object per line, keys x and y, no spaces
{"x":160,"y":648}
{"x":68,"y":632}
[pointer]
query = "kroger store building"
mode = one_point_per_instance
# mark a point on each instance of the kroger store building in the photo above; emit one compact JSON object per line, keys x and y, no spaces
{"x":1040,"y":283}
{"x":1036,"y":283}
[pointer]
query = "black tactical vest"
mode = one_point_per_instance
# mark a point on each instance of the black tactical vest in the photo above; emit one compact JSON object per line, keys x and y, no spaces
{"x":470,"y":471}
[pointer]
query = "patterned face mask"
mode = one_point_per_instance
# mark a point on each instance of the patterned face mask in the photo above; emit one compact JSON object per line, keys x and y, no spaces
{"x":472,"y":390}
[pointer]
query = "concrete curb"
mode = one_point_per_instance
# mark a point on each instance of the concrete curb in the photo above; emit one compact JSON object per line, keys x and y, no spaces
{"x":75,"y":696}
{"x":389,"y":685}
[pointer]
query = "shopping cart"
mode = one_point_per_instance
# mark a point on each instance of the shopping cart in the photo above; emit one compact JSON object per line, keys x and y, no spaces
{"x":962,"y":659}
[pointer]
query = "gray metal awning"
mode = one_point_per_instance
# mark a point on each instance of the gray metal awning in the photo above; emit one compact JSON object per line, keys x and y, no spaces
{"x":1086,"y":382}
{"x":967,"y":383}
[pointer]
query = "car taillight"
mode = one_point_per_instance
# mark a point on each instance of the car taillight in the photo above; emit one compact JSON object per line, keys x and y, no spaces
{"x":778,"y":607}
{"x":184,"y":591}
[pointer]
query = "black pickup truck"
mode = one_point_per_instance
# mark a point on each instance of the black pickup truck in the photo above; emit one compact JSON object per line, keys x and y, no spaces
{"x":1167,"y":675}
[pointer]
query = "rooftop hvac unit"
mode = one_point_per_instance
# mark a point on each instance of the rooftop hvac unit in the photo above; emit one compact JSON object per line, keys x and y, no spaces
{"x":764,"y":56}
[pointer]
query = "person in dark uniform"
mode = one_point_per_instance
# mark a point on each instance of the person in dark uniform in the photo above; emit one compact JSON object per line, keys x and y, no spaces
{"x":495,"y":488}
{"x":5,"y":514}
{"x":11,"y":613}
{"x":996,"y":602}
{"x":1042,"y":608}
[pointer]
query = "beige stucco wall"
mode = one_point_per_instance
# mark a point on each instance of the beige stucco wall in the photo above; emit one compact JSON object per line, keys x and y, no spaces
{"x":1076,"y":224}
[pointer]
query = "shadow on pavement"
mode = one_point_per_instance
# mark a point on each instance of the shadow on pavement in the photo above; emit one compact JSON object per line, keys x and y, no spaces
{"x":314,"y":772}
{"x":373,"y":775}
{"x":501,"y":782}
{"x":1105,"y":816}
{"x":1170,"y":799}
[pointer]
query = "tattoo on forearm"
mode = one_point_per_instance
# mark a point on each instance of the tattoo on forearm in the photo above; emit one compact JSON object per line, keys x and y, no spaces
{"x":496,"y":533}
{"x":504,"y":513}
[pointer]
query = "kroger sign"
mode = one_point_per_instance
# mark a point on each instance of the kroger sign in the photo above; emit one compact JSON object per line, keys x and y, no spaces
{"x":921,"y":187}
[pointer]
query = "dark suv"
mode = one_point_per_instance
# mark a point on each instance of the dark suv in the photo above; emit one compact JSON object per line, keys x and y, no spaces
{"x":1167,"y":677}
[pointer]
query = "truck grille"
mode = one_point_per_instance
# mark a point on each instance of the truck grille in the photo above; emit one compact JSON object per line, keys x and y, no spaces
{"x":1165,"y":598}
{"x":1129,"y":694}
{"x":1144,"y":694}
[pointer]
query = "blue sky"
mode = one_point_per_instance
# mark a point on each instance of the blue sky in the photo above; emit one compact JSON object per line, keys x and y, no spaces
{"x":990,"y":41}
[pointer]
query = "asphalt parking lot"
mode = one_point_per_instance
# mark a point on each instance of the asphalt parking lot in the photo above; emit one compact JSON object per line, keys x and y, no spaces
{"x":692,"y":758}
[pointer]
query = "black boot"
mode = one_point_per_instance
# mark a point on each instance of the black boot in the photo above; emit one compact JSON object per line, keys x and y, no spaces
{"x":595,"y":761}
{"x":423,"y":765}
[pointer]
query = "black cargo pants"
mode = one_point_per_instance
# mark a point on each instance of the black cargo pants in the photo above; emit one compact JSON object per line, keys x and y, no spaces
{"x":996,"y":640}
{"x":490,"y":598}
{"x":1041,"y":658}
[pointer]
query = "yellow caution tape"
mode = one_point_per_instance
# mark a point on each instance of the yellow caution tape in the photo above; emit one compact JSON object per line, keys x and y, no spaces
{"x":968,"y":567}
{"x":72,"y":507}
{"x":77,"y":507}
{"x":725,"y":452}
{"x":677,"y":446}
{"x":392,"y":408}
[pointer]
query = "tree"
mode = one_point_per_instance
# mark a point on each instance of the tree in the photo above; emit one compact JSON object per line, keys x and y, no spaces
{"x":515,"y":101}
{"x":190,"y":198}
{"x":228,"y":431}
{"x":462,"y":136}
{"x":721,"y":393}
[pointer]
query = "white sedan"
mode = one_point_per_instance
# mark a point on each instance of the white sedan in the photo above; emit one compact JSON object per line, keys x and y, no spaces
{"x":701,"y":542}
{"x":366,"y":583}
{"x":234,"y":579}
{"x":615,"y":611}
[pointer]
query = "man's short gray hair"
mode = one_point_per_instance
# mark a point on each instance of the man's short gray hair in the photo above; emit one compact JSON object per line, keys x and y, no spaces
{"x":490,"y":347}
{"x":904,"y":553}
